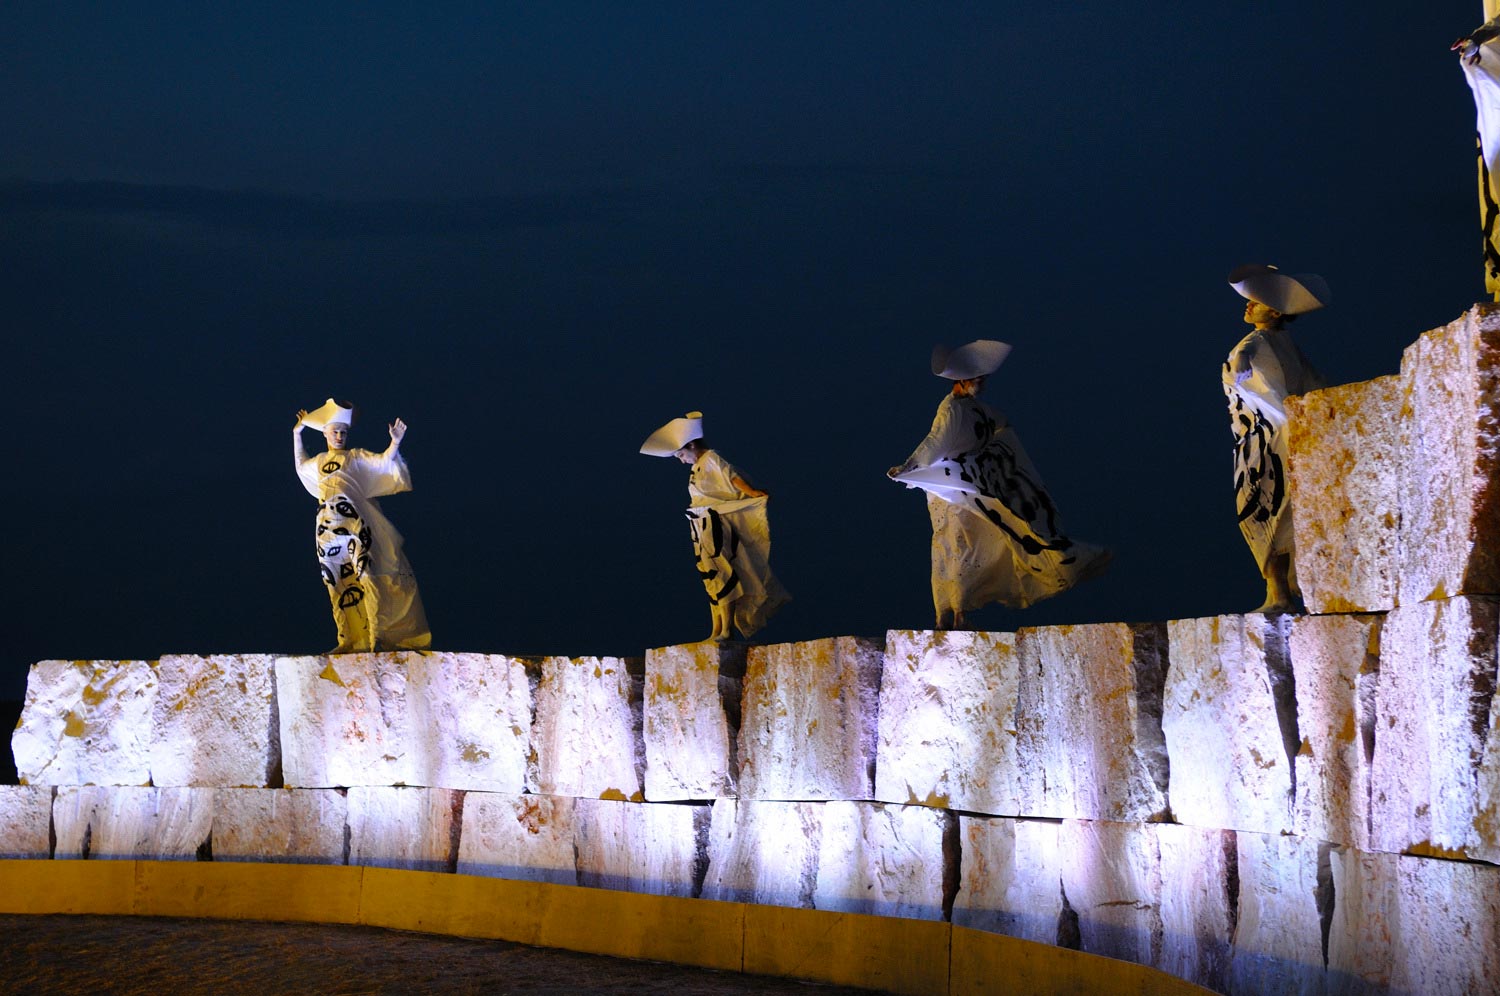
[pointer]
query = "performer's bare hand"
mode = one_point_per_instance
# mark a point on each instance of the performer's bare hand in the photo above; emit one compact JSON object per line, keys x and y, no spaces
{"x":301,"y":415}
{"x":1467,"y":47}
{"x":398,"y":432}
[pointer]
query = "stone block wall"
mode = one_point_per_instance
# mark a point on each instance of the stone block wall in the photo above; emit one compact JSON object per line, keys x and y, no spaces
{"x":1254,"y":803}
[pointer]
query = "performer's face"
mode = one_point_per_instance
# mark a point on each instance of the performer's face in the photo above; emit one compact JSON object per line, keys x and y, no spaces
{"x":337,"y":434}
{"x":1260,"y":314}
{"x":688,"y":455}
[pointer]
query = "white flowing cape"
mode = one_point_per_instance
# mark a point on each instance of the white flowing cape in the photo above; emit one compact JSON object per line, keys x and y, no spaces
{"x":1484,"y":80}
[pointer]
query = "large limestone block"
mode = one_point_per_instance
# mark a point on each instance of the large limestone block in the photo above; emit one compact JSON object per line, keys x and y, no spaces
{"x":214,"y":721}
{"x":1090,"y":721}
{"x":299,"y":826}
{"x":692,"y":720}
{"x":1434,"y":715}
{"x":25,"y":821}
{"x":86,"y":723}
{"x":416,"y":829}
{"x":763,"y":852}
{"x":947,"y":721}
{"x":1011,"y":878}
{"x":1450,"y":490}
{"x":1230,"y":721}
{"x":1286,"y":896}
{"x":810,"y":720}
{"x":1197,"y":907}
{"x":528,"y":838}
{"x":1111,"y":878}
{"x":1346,"y":466}
{"x":884,"y":860}
{"x":445,"y":720}
{"x":587,"y":733}
{"x":1336,"y":661}
{"x":656,"y":848}
{"x":97,"y":821}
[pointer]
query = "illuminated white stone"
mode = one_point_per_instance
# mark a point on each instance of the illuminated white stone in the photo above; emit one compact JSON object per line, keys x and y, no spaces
{"x":1450,"y":487}
{"x":691,"y":720}
{"x":1336,"y":661}
{"x":1230,"y":723}
{"x":214,"y":721}
{"x":1089,"y":721}
{"x":655,"y":848}
{"x":947,"y":721}
{"x":25,"y":821}
{"x":1111,"y":876}
{"x":1285,"y":889}
{"x":1346,"y":466}
{"x":447,"y":720}
{"x":1011,"y":879}
{"x":587,"y":732}
{"x":113,"y":821}
{"x":305,"y":826}
{"x":763,"y":852}
{"x":809,"y":724}
{"x":411,"y":828}
{"x":1434,"y":714}
{"x":528,"y":838}
{"x":883,"y":860}
{"x":1197,"y":910}
{"x":86,"y":723}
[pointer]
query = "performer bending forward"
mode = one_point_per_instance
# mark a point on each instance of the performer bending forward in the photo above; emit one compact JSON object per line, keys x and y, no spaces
{"x":376,"y":605}
{"x":731,"y":534}
{"x":996,"y":536}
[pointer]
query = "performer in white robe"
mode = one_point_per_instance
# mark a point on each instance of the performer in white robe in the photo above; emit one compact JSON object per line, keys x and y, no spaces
{"x":1261,"y":371}
{"x":1479,"y":57}
{"x":376,"y":605}
{"x":996,"y":535}
{"x":731,"y":533}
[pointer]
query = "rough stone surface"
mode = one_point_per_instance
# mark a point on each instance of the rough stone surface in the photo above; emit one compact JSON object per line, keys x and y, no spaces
{"x":1230,"y":721}
{"x":1286,"y":895}
{"x":884,"y":860}
{"x":810,"y":720}
{"x":297,"y":826}
{"x":1336,"y":660}
{"x":1111,"y":876}
{"x":528,"y":838}
{"x":214,"y":721}
{"x":1450,"y":490}
{"x":446,"y":720}
{"x":947,"y":721}
{"x":763,"y":852}
{"x":1346,"y":464}
{"x":692,"y":720}
{"x":86,"y":723}
{"x":411,"y":828}
{"x":1198,"y":868}
{"x":25,"y":821}
{"x":1089,"y":716}
{"x":1434,"y":713}
{"x":99,"y":821}
{"x":1011,"y":880}
{"x":656,"y":848}
{"x":586,"y":737}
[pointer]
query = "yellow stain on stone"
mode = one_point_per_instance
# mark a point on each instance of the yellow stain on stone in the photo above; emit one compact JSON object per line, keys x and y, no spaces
{"x":74,"y":726}
{"x":329,"y":674}
{"x":473,"y":753}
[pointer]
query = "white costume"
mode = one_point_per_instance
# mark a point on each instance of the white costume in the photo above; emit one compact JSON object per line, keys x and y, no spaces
{"x":376,"y":605}
{"x":732,"y":541}
{"x":996,"y":536}
{"x":1480,"y":60}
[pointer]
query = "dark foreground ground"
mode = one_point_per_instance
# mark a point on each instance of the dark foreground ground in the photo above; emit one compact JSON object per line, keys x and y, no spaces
{"x":167,"y":957}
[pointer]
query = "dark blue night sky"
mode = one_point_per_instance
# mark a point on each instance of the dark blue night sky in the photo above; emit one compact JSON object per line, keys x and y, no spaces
{"x":536,"y":232}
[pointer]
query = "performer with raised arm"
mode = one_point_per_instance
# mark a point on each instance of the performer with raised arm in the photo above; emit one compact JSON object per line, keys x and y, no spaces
{"x":376,"y":605}
{"x":996,"y":536}
{"x":1261,"y":371}
{"x":731,"y":534}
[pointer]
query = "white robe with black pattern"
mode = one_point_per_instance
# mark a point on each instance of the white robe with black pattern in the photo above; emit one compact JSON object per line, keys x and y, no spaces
{"x":732,"y":543}
{"x":996,"y":535}
{"x":376,"y":605}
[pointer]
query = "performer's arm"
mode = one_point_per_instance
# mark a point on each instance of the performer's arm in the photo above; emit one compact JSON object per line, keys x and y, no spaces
{"x":398,"y":433}
{"x":745,"y":487}
{"x":1467,"y":47}
{"x":299,"y":452}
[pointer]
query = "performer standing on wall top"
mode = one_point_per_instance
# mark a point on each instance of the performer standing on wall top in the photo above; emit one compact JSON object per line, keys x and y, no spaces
{"x":996,"y":536}
{"x":1260,"y":373}
{"x":376,"y":605}
{"x":731,"y":534}
{"x":1481,"y":65}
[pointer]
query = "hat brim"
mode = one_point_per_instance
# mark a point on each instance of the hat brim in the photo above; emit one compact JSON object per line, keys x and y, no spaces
{"x":1290,"y":294}
{"x":673,"y":436}
{"x":979,"y":358}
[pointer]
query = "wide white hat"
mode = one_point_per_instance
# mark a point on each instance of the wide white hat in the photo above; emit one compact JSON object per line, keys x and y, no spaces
{"x":674,"y":435}
{"x":1290,"y":294}
{"x":331,"y":413}
{"x":979,"y":358}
